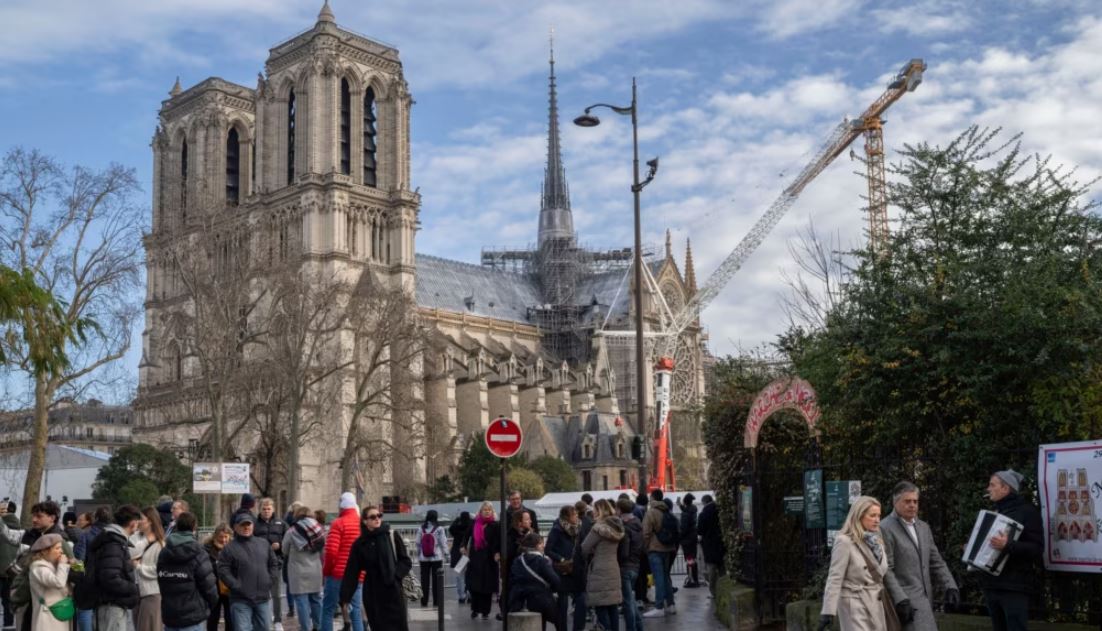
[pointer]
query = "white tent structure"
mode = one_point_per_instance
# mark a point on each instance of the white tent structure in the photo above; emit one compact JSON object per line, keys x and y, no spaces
{"x":69,"y":473}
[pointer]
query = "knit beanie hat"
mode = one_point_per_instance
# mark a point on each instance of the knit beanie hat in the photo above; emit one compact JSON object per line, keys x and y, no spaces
{"x":348,"y":500}
{"x":1012,"y":478}
{"x":248,"y":501}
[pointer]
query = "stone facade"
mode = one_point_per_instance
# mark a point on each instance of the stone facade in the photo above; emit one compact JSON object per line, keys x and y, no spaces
{"x":88,"y":425}
{"x":312,"y":165}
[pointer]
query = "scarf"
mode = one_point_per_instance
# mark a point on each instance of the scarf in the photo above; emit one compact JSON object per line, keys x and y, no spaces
{"x":570,"y":529}
{"x":874,"y":544}
{"x":480,"y":524}
{"x":308,"y":535}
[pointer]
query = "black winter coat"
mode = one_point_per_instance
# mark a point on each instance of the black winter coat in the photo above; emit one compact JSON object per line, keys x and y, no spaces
{"x":384,"y":564}
{"x":631,"y":546}
{"x":711,"y":535}
{"x":80,"y":547}
{"x":483,"y":571}
{"x":1020,"y":573}
{"x":246,"y":566}
{"x":523,"y":585}
{"x":189,"y":588}
{"x":109,"y":557}
{"x":531,"y":515}
{"x":688,"y":530}
{"x":459,"y":531}
{"x":581,"y":565}
{"x":560,"y":547}
{"x":271,"y":531}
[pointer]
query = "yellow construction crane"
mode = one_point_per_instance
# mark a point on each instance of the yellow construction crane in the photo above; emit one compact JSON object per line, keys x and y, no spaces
{"x":871,"y":125}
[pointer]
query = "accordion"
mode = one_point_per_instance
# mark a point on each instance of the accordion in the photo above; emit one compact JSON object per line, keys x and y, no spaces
{"x":979,"y":554}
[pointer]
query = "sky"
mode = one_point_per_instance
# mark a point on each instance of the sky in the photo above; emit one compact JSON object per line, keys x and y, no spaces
{"x":733,"y":97}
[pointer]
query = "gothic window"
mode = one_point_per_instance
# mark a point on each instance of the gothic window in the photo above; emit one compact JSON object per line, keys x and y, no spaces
{"x":183,"y":179}
{"x":291,"y":137}
{"x":350,"y":235}
{"x":374,"y":240}
{"x":233,"y":167}
{"x":346,"y":128}
{"x":369,"y":137}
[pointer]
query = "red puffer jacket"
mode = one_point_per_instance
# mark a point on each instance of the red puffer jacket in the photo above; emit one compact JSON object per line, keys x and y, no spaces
{"x":338,"y":543}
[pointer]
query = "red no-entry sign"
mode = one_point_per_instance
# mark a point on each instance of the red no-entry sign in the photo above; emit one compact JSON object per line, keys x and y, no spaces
{"x":503,"y":437}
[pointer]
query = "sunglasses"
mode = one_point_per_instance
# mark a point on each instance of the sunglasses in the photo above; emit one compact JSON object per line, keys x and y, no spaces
{"x":374,"y":516}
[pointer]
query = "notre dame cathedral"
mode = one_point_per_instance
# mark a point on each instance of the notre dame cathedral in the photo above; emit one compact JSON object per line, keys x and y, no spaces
{"x":315,"y":161}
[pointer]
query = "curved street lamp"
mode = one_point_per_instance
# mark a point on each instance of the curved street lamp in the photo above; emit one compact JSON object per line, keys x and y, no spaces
{"x":589,"y":120}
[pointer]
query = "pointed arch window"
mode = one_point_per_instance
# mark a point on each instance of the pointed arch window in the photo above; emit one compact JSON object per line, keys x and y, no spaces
{"x":346,"y":128}
{"x":369,"y":137}
{"x":233,"y":167}
{"x":291,"y":136}
{"x":183,"y":179}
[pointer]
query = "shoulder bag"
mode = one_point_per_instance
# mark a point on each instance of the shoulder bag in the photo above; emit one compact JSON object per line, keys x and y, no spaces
{"x":411,"y":589}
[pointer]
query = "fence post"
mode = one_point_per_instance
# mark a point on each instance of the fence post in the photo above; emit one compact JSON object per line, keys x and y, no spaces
{"x":438,"y":594}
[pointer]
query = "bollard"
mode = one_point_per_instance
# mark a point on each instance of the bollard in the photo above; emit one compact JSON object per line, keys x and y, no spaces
{"x":525,"y":621}
{"x":438,"y":594}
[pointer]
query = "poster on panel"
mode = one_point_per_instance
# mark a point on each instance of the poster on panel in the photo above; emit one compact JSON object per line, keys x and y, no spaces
{"x":1069,"y":477}
{"x":206,"y":477}
{"x":235,"y":478}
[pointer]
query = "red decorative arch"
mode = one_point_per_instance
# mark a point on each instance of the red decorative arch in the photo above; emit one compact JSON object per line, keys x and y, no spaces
{"x":786,"y":393}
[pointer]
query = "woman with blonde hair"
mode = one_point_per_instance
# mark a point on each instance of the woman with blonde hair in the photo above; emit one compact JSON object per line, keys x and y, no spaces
{"x":147,"y":615}
{"x":483,"y":548}
{"x":49,"y":574}
{"x":602,"y":547}
{"x":855,"y":584}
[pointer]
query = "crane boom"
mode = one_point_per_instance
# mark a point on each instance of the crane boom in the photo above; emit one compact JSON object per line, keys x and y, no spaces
{"x":869,"y":124}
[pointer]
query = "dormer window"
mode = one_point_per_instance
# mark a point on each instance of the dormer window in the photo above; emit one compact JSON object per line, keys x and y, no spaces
{"x":620,"y":448}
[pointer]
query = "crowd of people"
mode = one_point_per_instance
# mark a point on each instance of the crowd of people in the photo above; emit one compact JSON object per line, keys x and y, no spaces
{"x":132,"y":569}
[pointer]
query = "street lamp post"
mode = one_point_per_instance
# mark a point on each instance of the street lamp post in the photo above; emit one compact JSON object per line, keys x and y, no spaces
{"x":588,"y":120}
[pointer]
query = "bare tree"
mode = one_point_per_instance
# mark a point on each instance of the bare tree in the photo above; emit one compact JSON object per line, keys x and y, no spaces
{"x":819,"y":279}
{"x":79,"y":235}
{"x":388,"y":346}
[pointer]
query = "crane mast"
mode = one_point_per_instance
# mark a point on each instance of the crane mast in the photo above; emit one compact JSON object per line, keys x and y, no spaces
{"x":868,"y":123}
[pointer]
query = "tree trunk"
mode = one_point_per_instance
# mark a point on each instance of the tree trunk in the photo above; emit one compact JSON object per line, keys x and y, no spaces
{"x":32,"y":487}
{"x":292,"y":460}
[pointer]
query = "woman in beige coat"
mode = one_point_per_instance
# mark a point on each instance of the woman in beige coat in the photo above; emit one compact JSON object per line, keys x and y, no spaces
{"x":855,"y":585}
{"x":602,"y":546}
{"x":49,"y":574}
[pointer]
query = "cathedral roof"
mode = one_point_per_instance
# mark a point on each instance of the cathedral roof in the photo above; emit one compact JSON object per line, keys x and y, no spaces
{"x":467,"y":288}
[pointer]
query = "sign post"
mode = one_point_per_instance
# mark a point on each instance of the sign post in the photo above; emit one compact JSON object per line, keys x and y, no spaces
{"x":503,"y":439}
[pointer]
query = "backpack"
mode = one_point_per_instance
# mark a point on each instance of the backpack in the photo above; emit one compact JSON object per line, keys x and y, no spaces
{"x":668,"y":533}
{"x":84,"y":589}
{"x":428,"y":543}
{"x":20,"y":581}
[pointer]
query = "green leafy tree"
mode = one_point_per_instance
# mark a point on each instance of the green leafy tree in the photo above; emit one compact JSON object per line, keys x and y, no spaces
{"x":556,"y":473}
{"x":135,"y":469}
{"x":527,"y":481}
{"x":443,"y":489}
{"x":978,"y":336}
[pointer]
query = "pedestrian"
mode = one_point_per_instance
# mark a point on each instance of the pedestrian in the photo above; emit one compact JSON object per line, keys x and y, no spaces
{"x":213,"y":547}
{"x":711,"y":543}
{"x":689,"y":540}
{"x":69,"y":525}
{"x":247,"y":505}
{"x":289,"y":517}
{"x":246,"y":566}
{"x":642,"y":584}
{"x":147,"y":615}
{"x":9,"y":551}
{"x":483,"y":549}
{"x":432,"y":544}
{"x":164,"y":510}
{"x":516,"y":503}
{"x":113,"y":570}
{"x":49,"y":572}
{"x":459,"y":530}
{"x":520,"y":525}
{"x":101,"y":519}
{"x":534,"y":582}
{"x":659,"y":545}
{"x":559,"y":549}
{"x":302,"y":547}
{"x":84,"y":520}
{"x":602,"y":547}
{"x":186,"y":578}
{"x":178,"y":507}
{"x":854,"y":589}
{"x":338,"y":545}
{"x":631,"y":558}
{"x":915,"y":567}
{"x":1007,"y":595}
{"x":45,"y":519}
{"x":380,"y":556}
{"x":271,"y":528}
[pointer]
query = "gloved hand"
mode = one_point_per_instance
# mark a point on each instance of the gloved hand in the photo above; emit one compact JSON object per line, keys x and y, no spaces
{"x":905,"y":611}
{"x":952,"y":598}
{"x":825,"y":622}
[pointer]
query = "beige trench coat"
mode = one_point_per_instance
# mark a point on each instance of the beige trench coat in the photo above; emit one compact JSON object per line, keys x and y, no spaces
{"x":852,"y":594}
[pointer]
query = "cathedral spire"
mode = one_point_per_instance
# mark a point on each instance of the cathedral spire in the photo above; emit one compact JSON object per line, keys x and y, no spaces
{"x":556,"y":220}
{"x":690,"y":271}
{"x":326,"y":14}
